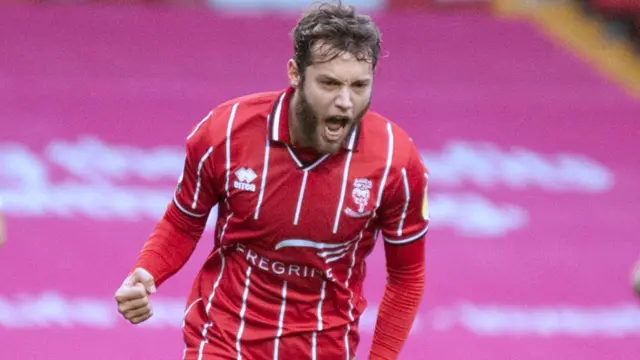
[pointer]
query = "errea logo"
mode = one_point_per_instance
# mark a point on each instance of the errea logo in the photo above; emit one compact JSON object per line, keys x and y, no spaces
{"x":245,"y":178}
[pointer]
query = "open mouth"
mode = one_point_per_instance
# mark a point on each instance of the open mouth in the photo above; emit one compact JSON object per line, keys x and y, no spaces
{"x":335,"y":128}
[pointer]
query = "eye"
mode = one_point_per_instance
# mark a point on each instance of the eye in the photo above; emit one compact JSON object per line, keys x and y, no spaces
{"x":360,"y":85}
{"x":329,"y":83}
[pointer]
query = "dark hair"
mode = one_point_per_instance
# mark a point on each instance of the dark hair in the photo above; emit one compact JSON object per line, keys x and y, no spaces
{"x":340,"y":30}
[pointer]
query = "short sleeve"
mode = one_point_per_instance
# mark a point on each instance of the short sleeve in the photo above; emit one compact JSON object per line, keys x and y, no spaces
{"x":405,"y":210}
{"x":195,"y":195}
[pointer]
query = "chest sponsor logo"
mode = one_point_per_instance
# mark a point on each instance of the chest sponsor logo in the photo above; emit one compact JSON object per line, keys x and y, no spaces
{"x":360,"y":194}
{"x":328,"y":252}
{"x":244,"y":179}
{"x":300,"y":270}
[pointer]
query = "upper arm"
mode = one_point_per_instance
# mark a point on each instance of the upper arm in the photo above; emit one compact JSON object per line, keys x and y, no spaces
{"x":196,"y":193}
{"x":404,"y":213}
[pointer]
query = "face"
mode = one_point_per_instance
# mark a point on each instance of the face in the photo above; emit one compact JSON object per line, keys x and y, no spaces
{"x":331,"y":98}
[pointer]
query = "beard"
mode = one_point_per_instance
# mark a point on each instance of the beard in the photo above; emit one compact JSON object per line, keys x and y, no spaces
{"x":307,"y":120}
{"x":308,"y":124}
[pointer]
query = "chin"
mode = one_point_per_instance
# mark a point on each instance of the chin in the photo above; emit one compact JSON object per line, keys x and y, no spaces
{"x":325,"y":147}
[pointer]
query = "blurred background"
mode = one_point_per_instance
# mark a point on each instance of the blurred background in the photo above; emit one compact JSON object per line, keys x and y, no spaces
{"x":526,"y":112}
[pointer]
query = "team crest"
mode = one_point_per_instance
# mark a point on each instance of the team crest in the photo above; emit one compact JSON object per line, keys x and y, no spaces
{"x":360,"y":195}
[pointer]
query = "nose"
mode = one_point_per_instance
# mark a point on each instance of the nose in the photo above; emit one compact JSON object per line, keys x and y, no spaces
{"x":343,"y":100}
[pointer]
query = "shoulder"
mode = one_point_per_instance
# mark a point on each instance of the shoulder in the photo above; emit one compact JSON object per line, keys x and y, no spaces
{"x":253,"y":102}
{"x":377,"y":130}
{"x":234,"y":115}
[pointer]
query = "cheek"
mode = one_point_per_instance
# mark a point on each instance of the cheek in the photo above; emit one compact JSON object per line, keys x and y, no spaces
{"x":319,"y":100}
{"x":318,"y":105}
{"x":361,"y":101}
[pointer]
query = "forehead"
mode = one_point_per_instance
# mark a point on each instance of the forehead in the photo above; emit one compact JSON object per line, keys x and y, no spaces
{"x":345,"y":66}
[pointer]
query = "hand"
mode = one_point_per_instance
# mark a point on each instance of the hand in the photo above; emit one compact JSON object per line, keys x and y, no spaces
{"x":133,"y":296}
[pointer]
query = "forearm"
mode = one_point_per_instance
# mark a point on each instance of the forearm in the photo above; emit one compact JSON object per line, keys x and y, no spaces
{"x":400,"y":302}
{"x":170,"y":245}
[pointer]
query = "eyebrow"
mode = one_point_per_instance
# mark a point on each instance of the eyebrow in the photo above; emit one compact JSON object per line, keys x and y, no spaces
{"x":331,"y":78}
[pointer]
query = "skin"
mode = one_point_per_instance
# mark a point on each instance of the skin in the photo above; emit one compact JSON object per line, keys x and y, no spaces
{"x":338,"y":90}
{"x":334,"y":91}
{"x":133,"y":296}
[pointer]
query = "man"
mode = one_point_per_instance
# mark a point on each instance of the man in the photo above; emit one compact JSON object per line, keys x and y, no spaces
{"x":305,"y":180}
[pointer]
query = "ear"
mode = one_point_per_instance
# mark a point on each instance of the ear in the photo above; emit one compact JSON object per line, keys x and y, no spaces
{"x":292,"y":71}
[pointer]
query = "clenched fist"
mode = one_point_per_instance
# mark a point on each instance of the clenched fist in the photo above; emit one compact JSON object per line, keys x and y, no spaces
{"x":133,"y":296}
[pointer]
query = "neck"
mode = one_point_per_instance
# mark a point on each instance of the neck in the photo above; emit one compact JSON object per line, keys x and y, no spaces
{"x":293,"y":121}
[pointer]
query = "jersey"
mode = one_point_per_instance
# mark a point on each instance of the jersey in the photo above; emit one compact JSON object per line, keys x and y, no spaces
{"x":285,"y":277}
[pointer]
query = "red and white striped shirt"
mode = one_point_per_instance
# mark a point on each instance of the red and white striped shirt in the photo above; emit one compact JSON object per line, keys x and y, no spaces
{"x":293,"y":230}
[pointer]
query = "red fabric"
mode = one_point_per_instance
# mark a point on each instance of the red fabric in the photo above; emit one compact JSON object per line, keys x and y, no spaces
{"x":402,"y":295}
{"x":171,"y":244}
{"x":289,"y":236}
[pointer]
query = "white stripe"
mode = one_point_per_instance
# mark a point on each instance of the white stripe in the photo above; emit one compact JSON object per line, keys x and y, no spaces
{"x":347,"y":353}
{"x":352,"y":139}
{"x":345,"y":176}
{"x":208,"y":307}
{"x":175,"y":201}
{"x":226,"y":223}
{"x":228,"y":147}
{"x":217,"y":283}
{"x":322,"y":294}
{"x":407,"y":197}
{"x":300,"y":197}
{"x":350,"y":272}
{"x":409,"y":239}
{"x":245,"y":295}
{"x":383,"y":182}
{"x":314,"y":345}
{"x":184,"y":319}
{"x":329,"y":260}
{"x":199,"y":175}
{"x":276,"y":121}
{"x":203,"y":342}
{"x":265,"y":169}
{"x":293,"y":156}
{"x":283,"y":307}
{"x":314,"y":335}
{"x":312,"y":166}
{"x":200,"y":124}
{"x":228,"y":168}
{"x":301,"y":165}
{"x":388,"y":166}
